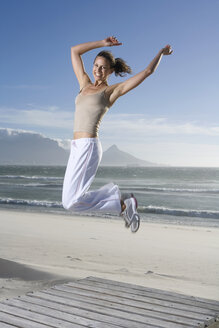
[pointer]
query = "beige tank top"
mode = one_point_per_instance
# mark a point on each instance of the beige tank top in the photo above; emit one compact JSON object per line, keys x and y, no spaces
{"x":89,"y":111}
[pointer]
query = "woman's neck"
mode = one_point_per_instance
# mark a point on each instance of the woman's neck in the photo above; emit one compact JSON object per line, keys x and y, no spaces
{"x":99,"y":84}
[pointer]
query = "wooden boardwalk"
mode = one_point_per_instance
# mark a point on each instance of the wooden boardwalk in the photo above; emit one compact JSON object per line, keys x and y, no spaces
{"x":101,"y":303}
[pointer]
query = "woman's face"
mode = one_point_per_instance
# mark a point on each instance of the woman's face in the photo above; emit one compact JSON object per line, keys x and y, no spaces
{"x":101,"y":69}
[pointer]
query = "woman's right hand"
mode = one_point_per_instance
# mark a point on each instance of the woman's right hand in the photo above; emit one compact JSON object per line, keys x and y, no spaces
{"x":167,"y":50}
{"x":111,"y":41}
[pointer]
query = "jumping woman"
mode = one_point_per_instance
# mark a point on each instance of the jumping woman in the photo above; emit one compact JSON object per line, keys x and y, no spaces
{"x":92,"y":102}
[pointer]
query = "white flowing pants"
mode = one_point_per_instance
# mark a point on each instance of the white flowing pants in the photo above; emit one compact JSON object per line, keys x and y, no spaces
{"x":85,"y":156}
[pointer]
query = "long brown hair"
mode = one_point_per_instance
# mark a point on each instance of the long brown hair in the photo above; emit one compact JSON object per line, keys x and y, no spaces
{"x":118,"y":64}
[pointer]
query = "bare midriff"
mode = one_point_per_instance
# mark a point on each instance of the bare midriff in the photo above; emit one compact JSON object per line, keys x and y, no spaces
{"x":78,"y":135}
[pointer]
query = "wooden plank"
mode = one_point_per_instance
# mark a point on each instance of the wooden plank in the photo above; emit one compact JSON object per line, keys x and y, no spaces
{"x":61,"y":312}
{"x":57,"y":290}
{"x":151,"y":293}
{"x":19,"y":322}
{"x":45,"y":320}
{"x":160,"y":309}
{"x":96,"y":302}
{"x":150,"y":300}
{"x":70,"y":305}
{"x":125,"y":323}
{"x":85,"y":301}
{"x":5,"y":325}
{"x":160,"y":291}
{"x":214,"y":325}
{"x":202,"y":302}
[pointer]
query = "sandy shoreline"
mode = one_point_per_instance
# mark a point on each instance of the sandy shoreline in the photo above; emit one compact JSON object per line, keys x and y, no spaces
{"x":38,"y":250}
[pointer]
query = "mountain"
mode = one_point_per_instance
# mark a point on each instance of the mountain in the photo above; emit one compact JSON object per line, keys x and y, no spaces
{"x":19,"y":147}
{"x":113,"y":156}
{"x":30,"y":148}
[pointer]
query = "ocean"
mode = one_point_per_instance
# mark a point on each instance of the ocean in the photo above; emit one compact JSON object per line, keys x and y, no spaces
{"x":177,"y":195}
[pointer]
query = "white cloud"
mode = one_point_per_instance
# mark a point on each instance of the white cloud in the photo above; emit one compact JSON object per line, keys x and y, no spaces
{"x":64,"y":143}
{"x":143,"y":125}
{"x":7,"y":132}
{"x":136,"y":125}
{"x":15,"y":132}
{"x":162,"y":141}
{"x":174,"y":153}
{"x":50,"y":116}
{"x":155,"y":139}
{"x":42,"y":108}
{"x":169,"y":153}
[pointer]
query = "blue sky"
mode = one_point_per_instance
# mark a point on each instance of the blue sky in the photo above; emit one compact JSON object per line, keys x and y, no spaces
{"x":171,"y":118}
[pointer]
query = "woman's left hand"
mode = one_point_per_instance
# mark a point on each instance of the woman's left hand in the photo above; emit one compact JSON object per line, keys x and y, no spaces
{"x":167,"y":50}
{"x":111,"y":41}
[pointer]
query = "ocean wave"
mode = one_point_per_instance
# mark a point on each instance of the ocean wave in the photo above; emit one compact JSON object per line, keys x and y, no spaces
{"x":32,"y":177}
{"x":47,"y":185}
{"x":179,"y":212}
{"x":30,"y":185}
{"x":178,"y":190}
{"x":142,"y":209}
{"x":27,"y":202}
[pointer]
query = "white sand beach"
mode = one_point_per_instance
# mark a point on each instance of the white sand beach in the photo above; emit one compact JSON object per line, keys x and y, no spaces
{"x":38,"y":250}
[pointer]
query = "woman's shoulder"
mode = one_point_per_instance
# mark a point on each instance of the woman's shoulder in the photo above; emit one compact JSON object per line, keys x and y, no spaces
{"x":112,"y":94}
{"x":85,"y":86}
{"x":111,"y":88}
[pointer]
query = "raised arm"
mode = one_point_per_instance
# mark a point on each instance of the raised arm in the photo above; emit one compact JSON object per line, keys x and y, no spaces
{"x":122,"y":88}
{"x":80,"y":49}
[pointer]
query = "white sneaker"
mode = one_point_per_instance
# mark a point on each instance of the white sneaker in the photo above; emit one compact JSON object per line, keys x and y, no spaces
{"x":130,"y":214}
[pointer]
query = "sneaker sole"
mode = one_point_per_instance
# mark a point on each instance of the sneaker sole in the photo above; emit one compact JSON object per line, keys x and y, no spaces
{"x":136,"y":220}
